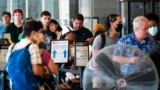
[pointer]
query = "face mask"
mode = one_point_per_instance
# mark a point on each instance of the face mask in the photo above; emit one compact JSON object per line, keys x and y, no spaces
{"x":119,"y":27}
{"x":153,"y":31}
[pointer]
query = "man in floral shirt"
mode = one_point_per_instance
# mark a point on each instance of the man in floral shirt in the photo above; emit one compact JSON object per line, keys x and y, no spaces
{"x":139,"y":38}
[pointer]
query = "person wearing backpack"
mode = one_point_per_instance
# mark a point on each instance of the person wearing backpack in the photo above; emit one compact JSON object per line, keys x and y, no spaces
{"x":109,"y":37}
{"x":114,"y":25}
{"x":24,"y":60}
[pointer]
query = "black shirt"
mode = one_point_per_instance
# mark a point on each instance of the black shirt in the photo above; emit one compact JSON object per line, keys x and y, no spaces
{"x":83,"y":34}
{"x":14,"y":31}
{"x":48,"y":37}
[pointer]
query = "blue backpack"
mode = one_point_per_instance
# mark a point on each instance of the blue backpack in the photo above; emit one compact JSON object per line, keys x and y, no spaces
{"x":20,"y":70}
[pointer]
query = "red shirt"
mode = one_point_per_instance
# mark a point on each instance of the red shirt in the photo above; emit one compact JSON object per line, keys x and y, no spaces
{"x":45,"y":57}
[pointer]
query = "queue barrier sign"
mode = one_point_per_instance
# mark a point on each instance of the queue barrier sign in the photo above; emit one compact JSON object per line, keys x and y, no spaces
{"x":59,"y":51}
{"x":81,"y":53}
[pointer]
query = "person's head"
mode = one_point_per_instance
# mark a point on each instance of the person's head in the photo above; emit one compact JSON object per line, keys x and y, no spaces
{"x":6,"y":18}
{"x":98,"y":27}
{"x":153,"y":19}
{"x":78,"y":22}
{"x":45,"y":18}
{"x":32,"y":30}
{"x":153,"y":23}
{"x":54,"y":26}
{"x":70,"y":36}
{"x":140,"y":27}
{"x":17,"y":15}
{"x":29,"y":19}
{"x":114,"y":21}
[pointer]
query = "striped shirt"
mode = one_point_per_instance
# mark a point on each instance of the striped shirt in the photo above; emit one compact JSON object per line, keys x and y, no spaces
{"x":33,"y":50}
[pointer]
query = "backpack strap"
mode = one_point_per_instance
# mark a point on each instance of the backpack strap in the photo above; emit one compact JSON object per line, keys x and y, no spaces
{"x":28,"y":45}
{"x":11,"y":51}
{"x":103,"y":40}
{"x":13,"y":46}
{"x":25,"y":47}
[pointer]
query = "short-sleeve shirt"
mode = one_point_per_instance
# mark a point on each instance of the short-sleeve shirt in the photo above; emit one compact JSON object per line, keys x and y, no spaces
{"x":48,"y":36}
{"x":146,"y":45}
{"x":33,"y":50}
{"x":109,"y":41}
{"x":45,"y":57}
{"x":2,"y":30}
{"x":14,"y":31}
{"x":83,"y":34}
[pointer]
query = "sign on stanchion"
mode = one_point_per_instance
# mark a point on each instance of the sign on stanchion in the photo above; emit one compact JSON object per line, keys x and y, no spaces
{"x":59,"y":51}
{"x":81,"y":53}
{"x":3,"y":52}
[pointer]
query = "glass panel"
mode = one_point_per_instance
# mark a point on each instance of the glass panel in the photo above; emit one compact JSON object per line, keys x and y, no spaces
{"x":157,"y":9}
{"x":140,"y":9}
{"x":3,"y":5}
{"x":86,"y":10}
{"x":49,"y":6}
{"x":61,"y":10}
{"x":64,"y":13}
{"x":137,"y":8}
{"x":34,"y":8}
{"x":18,"y":4}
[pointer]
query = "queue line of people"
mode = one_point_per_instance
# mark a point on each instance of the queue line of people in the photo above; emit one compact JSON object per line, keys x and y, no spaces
{"x":52,"y":30}
{"x":49,"y":29}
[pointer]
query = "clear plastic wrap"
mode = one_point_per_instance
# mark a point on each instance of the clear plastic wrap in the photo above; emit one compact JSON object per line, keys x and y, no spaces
{"x":120,"y":67}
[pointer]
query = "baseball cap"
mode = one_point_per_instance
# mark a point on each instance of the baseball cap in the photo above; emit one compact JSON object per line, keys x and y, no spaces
{"x":17,"y":11}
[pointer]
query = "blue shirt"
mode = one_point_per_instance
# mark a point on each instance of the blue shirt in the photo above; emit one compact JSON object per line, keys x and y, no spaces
{"x":2,"y":30}
{"x":146,"y":45}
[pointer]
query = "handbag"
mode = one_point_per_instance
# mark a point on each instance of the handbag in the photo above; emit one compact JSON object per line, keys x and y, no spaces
{"x":49,"y":81}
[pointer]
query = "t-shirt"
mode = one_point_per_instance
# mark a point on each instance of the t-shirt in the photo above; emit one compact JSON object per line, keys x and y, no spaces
{"x":109,"y":41}
{"x":83,"y":34}
{"x":146,"y":45}
{"x":45,"y":57}
{"x":33,"y":50}
{"x":48,"y":36}
{"x":14,"y":31}
{"x":2,"y":30}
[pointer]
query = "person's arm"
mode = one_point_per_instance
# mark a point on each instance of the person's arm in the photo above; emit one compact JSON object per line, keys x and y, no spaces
{"x":37,"y":69}
{"x":94,"y":51}
{"x":52,"y":66}
{"x":125,"y":60}
{"x":89,"y":39}
{"x":96,"y":45}
{"x":36,"y":60}
{"x":48,"y":61}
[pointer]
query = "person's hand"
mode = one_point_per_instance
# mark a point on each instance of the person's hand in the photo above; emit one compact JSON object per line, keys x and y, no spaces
{"x":71,"y":58}
{"x":158,"y":42}
{"x":73,"y":67}
{"x":45,"y":70}
{"x":89,"y":40}
{"x":134,"y":59}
